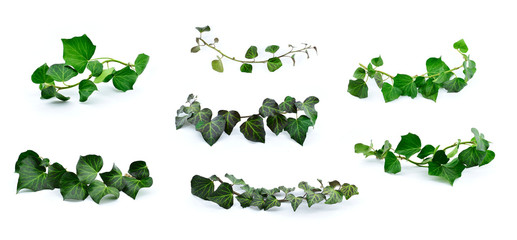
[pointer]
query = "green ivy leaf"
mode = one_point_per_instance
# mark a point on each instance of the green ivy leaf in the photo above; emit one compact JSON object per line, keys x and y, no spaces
{"x":437,"y":66}
{"x":253,"y":129}
{"x":276,"y":123}
{"x":195,"y":49}
{"x":429,"y":90}
{"x":305,"y":187}
{"x":313,"y":198}
{"x":234,"y":180}
{"x":461,"y":46}
{"x":139,"y":170}
{"x":124,"y":79}
{"x":273,"y":64}
{"x":72,"y":188}
{"x":201,"y":187}
{"x":406,"y":84}
{"x":251,"y":53}
{"x":420,"y":82}
{"x":377,"y":61}
{"x":258,"y":201}
{"x":471,"y":157}
{"x":40,"y":75}
{"x":99,"y":190}
{"x":61,"y":72}
{"x":286,"y":190}
{"x":245,"y":199}
{"x":360,"y":73}
{"x":106,"y":75}
{"x":390,"y":93}
{"x":203,"y":29}
{"x":358,"y":88}
{"x":55,"y":172}
{"x":378,"y":79}
{"x":223,"y":196}
{"x":450,"y":171}
{"x":269,"y":108}
{"x":141,"y":63}
{"x":95,"y":68}
{"x":32,"y":175}
{"x":409,"y":145}
{"x":391,"y":163}
{"x":295,"y":201}
{"x":201,"y":116}
{"x":212,"y":130}
{"x":77,"y":51}
{"x":246,"y":68}
{"x":480,"y":140}
{"x":217,"y":65}
{"x":454,"y":85}
{"x":23,"y":155}
{"x":349,"y":190}
{"x":335,"y":196}
{"x":48,"y":92}
{"x":62,"y":97}
{"x":426,"y":151}
{"x":370,"y":70}
{"x":114,"y":178}
{"x":87,"y":168}
{"x":271,"y":202}
{"x":133,"y":185}
{"x":272,"y":48}
{"x":489,"y":156}
{"x":440,"y":157}
{"x":361,"y":148}
{"x":297,"y":128}
{"x":288,"y":105}
{"x":308,"y":108}
{"x":469,"y":68}
{"x":86,"y":88}
{"x":231,"y":118}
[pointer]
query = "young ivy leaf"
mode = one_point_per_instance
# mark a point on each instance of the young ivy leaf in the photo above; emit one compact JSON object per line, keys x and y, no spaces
{"x":124,"y":79}
{"x":313,"y":198}
{"x":231,"y":118}
{"x":32,"y":175}
{"x":440,"y":157}
{"x":377,"y":61}
{"x":201,"y":187}
{"x":251,"y":53}
{"x":87,"y":168}
{"x":390,"y":92}
{"x":212,"y":130}
{"x":360,"y":73}
{"x":253,"y":129}
{"x":40,"y":75}
{"x":480,"y":141}
{"x":139,"y":170}
{"x":461,"y":46}
{"x":335,"y":196}
{"x":426,"y":151}
{"x":77,"y":51}
{"x":61,"y":72}
{"x":203,"y":29}
{"x":95,"y":68}
{"x":114,"y":178}
{"x":406,"y":84}
{"x":348,"y":190}
{"x":86,"y":88}
{"x":409,"y":145}
{"x":308,"y":108}
{"x":217,"y":65}
{"x":133,"y":185}
{"x":358,"y":88}
{"x":272,"y":48}
{"x":245,"y":199}
{"x":297,"y":128}
{"x":234,"y":180}
{"x":246,"y":68}
{"x":269,"y":108}
{"x":271,"y":202}
{"x":72,"y":188}
{"x":295,"y":201}
{"x":391,"y":163}
{"x":141,"y":63}
{"x":273,"y":64}
{"x":223,"y":196}
{"x":98,"y":190}
{"x":106,"y":75}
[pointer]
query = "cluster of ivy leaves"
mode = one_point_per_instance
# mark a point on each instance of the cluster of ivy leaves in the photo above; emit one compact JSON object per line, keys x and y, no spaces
{"x":273,"y":63}
{"x":78,"y":53}
{"x":438,"y":75}
{"x":253,"y":128}
{"x":36,"y":173}
{"x":437,"y":160}
{"x":265,"y":199}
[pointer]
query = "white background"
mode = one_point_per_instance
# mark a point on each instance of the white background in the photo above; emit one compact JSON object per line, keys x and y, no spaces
{"x":139,"y":124}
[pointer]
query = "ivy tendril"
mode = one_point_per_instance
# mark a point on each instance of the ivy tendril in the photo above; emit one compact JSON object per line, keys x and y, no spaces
{"x":438,"y":75}
{"x":253,"y":128}
{"x":36,"y":173}
{"x":435,"y":159}
{"x":78,"y":53}
{"x":265,"y":199}
{"x":273,"y":63}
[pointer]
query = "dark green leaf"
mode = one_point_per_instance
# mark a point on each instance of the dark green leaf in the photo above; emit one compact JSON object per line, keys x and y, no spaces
{"x":358,"y":88}
{"x":440,"y":157}
{"x":269,"y":108}
{"x":271,"y":201}
{"x":334,"y":184}
{"x":471,"y":157}
{"x":295,"y":201}
{"x":114,"y":178}
{"x":435,"y":66}
{"x":223,"y":196}
{"x":23,"y":155}
{"x":461,"y":46}
{"x":429,"y":90}
{"x":277,"y":123}
{"x":86,"y":88}
{"x":258,"y":201}
{"x":40,"y":75}
{"x":124,"y":79}
{"x":32,"y":175}
{"x":420,"y":82}
{"x":217,"y":65}
{"x":426,"y":151}
{"x":55,"y":172}
{"x":231,"y":118}
{"x":105,"y":76}
{"x":246,"y":68}
{"x":201,"y":116}
{"x":409,"y":145}
{"x":377,"y":61}
{"x":286,"y":190}
{"x":72,"y":188}
{"x":490,"y":155}
{"x":201,"y":187}
{"x":253,"y":129}
{"x":450,"y":171}
{"x":335,"y":196}
{"x":234,"y":180}
{"x":98,"y":190}
{"x":297,"y":128}
{"x":61,"y":72}
{"x":406,"y":84}
{"x":203,"y":29}
{"x":308,"y":108}
{"x":348,"y":190}
{"x":251,"y":53}
{"x":288,"y":105}
{"x":389,"y":92}
{"x":454,"y":85}
{"x":391,"y":163}
{"x":139,"y":170}
{"x":212,"y":130}
{"x":48,"y":92}
{"x":133,"y":185}
{"x":273,"y":64}
{"x":245,"y":199}
{"x":371,"y":71}
{"x":87,"y":168}
{"x":62,"y":97}
{"x":378,"y":79}
{"x":95,"y":67}
{"x":140,"y":63}
{"x":313,"y":198}
{"x":305,"y":187}
{"x":360,"y":73}
{"x":77,"y":51}
{"x":272,"y":48}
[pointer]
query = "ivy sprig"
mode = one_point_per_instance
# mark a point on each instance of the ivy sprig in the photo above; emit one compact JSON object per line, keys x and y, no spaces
{"x":265,"y":199}
{"x":273,"y":62}
{"x":78,"y":53}
{"x":253,"y":128}
{"x":438,"y":161}
{"x":36,"y":173}
{"x":438,"y":75}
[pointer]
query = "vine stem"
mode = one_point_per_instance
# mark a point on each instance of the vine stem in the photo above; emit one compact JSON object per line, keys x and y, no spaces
{"x":108,"y":60}
{"x":422,"y":164}
{"x":423,"y":75}
{"x":292,"y":51}
{"x":381,"y":72}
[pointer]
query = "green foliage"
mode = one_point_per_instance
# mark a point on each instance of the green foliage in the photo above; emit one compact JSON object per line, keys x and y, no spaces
{"x":253,"y":128}
{"x":438,"y":75}
{"x":36,"y":173}
{"x":265,"y":199}
{"x":436,"y":160}
{"x":78,"y":56}
{"x":273,"y":62}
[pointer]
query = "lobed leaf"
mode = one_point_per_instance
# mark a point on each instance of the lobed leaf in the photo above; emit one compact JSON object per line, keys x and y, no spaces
{"x":32,"y":175}
{"x":133,"y":185}
{"x":139,"y":170}
{"x":348,"y":190}
{"x":277,"y":123}
{"x":408,"y":145}
{"x":212,"y":130}
{"x":288,"y":105}
{"x":87,"y":168}
{"x":454,"y":85}
{"x":55,"y":172}
{"x":114,"y":178}
{"x":269,"y":108}
{"x":358,"y":88}
{"x":471,"y":157}
{"x":95,"y":68}
{"x":201,"y":187}
{"x":61,"y":72}
{"x":39,"y":76}
{"x":295,"y":201}
{"x":77,"y":51}
{"x":223,"y":196}
{"x":72,"y":188}
{"x":203,"y":115}
{"x":98,"y":190}
{"x":86,"y":88}
{"x":231,"y":118}
{"x":335,"y":196}
{"x":298,"y":128}
{"x":308,"y":108}
{"x":406,"y":84}
{"x":124,"y":79}
{"x":253,"y":129}
{"x":390,"y":93}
